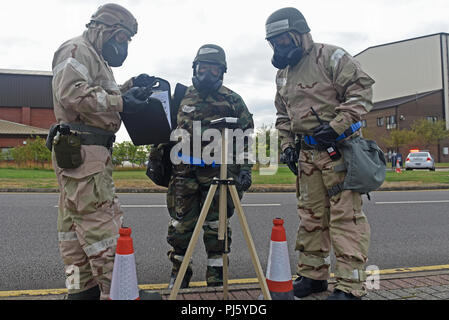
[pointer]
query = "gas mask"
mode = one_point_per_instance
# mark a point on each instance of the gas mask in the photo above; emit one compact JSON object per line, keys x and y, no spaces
{"x":206,"y":79}
{"x":285,"y":54}
{"x":114,"y":52}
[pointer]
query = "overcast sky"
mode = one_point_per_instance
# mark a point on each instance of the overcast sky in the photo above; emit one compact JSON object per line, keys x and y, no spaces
{"x":171,"y":31}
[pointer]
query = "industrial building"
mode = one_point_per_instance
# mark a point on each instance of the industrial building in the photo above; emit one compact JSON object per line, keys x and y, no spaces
{"x":26,"y":106}
{"x":412,"y":82}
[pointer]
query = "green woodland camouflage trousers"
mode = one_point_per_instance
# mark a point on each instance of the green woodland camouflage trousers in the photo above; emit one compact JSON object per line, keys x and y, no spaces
{"x":186,"y":194}
{"x":324,"y":221}
{"x":89,"y":218}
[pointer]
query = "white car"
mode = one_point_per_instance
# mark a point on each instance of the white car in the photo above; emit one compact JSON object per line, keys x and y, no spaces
{"x":419,"y":160}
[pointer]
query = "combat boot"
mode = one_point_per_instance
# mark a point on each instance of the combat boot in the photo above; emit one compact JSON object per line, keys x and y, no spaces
{"x":303,"y":286}
{"x":185,"y":282}
{"x":149,"y":295}
{"x":214,"y":276}
{"x":341,"y":295}
{"x":89,"y":294}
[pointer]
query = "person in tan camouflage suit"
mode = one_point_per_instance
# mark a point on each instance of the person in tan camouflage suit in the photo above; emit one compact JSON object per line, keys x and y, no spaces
{"x":87,"y":98}
{"x":326,"y":78}
{"x":206,"y":100}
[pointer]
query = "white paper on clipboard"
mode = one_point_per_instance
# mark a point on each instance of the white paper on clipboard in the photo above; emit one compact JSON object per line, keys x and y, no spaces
{"x":163,"y":97}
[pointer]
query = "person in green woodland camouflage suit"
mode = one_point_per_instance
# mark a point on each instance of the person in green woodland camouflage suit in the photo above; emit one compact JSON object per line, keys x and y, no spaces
{"x":189,"y":184}
{"x":326,"y":78}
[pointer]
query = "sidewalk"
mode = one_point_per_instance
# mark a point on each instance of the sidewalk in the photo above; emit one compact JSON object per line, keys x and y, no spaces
{"x":432,"y":285}
{"x":424,"y":285}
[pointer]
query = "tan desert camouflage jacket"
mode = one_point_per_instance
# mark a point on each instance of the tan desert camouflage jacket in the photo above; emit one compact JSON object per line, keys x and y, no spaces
{"x":328,"y":79}
{"x":85,"y":91}
{"x":84,"y":88}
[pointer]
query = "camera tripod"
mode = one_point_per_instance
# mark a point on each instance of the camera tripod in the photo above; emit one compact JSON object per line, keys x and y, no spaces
{"x":225,"y":185}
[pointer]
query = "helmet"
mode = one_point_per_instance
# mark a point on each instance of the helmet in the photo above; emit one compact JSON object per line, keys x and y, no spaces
{"x":211,"y":53}
{"x":208,"y":82}
{"x":285,"y":19}
{"x":112,"y":14}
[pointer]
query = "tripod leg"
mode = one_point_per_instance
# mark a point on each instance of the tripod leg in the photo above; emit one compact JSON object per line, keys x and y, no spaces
{"x":223,"y":236}
{"x":225,"y":276}
{"x":193,"y":241}
{"x":249,"y":242}
{"x":223,"y":210}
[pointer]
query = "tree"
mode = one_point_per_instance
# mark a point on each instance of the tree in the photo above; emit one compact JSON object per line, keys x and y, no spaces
{"x":38,"y":150}
{"x":399,"y":138}
{"x":119,"y":153}
{"x":430,"y":133}
{"x":34,"y":150}
{"x":127,"y":151}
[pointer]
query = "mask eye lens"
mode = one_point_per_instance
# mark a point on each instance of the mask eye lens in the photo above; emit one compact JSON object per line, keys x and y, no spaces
{"x":122,"y":37}
{"x":280,"y":41}
{"x":205,"y":67}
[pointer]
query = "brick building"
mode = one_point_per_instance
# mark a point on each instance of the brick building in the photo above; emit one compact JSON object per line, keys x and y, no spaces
{"x":26,"y":105}
{"x":412,"y":83}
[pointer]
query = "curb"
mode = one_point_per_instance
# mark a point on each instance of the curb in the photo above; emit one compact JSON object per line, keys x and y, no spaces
{"x":255,"y":189}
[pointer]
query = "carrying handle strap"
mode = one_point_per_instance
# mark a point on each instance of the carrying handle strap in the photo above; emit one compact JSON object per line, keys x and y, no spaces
{"x":180,"y":91}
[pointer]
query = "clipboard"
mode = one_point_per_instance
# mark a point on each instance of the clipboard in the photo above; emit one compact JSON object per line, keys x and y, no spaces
{"x":151,"y":125}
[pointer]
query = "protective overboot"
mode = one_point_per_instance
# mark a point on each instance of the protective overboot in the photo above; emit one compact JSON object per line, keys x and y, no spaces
{"x":89,"y":294}
{"x":341,"y":295}
{"x":149,"y":295}
{"x":303,"y":286}
{"x":185,"y":282}
{"x":214,"y":276}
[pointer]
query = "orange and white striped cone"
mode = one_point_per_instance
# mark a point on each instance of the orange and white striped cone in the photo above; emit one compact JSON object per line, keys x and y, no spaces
{"x":398,"y":167}
{"x":124,"y":276}
{"x":279,"y":276}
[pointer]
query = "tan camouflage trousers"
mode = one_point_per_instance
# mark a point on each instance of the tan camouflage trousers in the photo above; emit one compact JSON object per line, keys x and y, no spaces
{"x":336,"y":221}
{"x":89,"y":218}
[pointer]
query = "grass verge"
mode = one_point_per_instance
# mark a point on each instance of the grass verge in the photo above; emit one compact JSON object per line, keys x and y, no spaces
{"x":33,"y":178}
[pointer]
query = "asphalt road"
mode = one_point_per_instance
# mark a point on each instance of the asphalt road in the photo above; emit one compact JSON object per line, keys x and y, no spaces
{"x":409,"y":229}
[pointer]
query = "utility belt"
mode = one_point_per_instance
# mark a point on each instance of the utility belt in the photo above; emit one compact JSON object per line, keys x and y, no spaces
{"x":93,"y":136}
{"x":348,"y":132}
{"x":364,"y":162}
{"x":66,"y":140}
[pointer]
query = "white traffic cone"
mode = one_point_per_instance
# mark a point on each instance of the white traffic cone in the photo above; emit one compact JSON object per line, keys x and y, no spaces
{"x":279,"y":276}
{"x":124,"y":276}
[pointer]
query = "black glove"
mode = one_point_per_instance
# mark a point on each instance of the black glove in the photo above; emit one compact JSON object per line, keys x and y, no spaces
{"x":290,"y":157}
{"x":244,"y":179}
{"x":325,"y":136}
{"x":134,"y":100}
{"x":143,"y":80}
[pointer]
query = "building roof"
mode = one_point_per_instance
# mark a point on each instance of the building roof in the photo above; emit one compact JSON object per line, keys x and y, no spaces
{"x":26,"y":72}
{"x":410,"y":39}
{"x":19,"y":88}
{"x":401,"y":100}
{"x":14,"y":128}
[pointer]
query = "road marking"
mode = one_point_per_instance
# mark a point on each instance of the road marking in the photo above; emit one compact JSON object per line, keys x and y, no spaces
{"x":43,"y":292}
{"x":412,"y":202}
{"x":164,"y":205}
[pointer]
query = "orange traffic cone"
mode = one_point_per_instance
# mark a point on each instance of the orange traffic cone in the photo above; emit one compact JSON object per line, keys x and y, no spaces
{"x":279,"y":276}
{"x":398,"y":167}
{"x":124,"y":276}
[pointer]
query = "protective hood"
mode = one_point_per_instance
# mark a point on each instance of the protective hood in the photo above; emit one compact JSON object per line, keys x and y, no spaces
{"x":100,"y":35}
